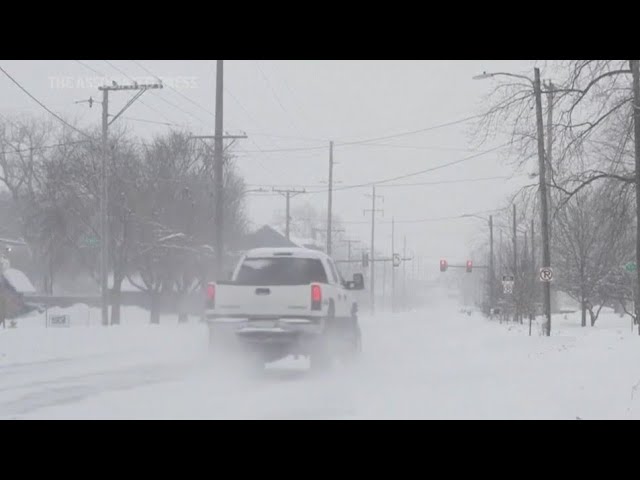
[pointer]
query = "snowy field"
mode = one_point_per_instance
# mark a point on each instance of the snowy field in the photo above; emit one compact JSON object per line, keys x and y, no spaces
{"x":433,"y":364}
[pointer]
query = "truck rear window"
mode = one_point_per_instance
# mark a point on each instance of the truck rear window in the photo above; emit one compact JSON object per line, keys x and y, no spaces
{"x":281,"y":271}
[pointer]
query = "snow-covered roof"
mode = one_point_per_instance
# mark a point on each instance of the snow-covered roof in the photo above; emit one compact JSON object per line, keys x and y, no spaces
{"x":19,"y":281}
{"x":294,"y":252}
{"x":306,"y":242}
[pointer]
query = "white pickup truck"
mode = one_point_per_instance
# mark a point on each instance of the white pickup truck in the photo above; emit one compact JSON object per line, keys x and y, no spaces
{"x":281,"y":302}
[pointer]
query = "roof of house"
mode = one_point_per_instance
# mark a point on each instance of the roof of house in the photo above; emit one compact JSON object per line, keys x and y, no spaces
{"x":265,"y":236}
{"x":295,"y":252}
{"x":269,"y":237}
{"x":18,"y":280}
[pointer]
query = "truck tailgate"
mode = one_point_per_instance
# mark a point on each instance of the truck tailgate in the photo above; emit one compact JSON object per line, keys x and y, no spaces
{"x":268,"y":301}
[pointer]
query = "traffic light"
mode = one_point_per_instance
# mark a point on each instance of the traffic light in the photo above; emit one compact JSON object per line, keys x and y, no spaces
{"x":469,"y":266}
{"x":365,"y":259}
{"x":443,"y":265}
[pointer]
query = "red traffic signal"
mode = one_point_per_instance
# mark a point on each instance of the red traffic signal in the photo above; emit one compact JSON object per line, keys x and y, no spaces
{"x":443,"y":265}
{"x":469,"y":266}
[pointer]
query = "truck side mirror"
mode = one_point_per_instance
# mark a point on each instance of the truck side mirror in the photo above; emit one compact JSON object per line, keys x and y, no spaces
{"x":358,"y":281}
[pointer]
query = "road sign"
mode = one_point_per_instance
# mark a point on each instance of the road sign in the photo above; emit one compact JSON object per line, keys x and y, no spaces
{"x":59,"y":321}
{"x":631,"y":267}
{"x":507,"y":284}
{"x":396,"y":260}
{"x":91,"y":241}
{"x":546,"y":274}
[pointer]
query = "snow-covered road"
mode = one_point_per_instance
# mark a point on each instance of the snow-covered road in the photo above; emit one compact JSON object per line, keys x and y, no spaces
{"x":437,"y":363}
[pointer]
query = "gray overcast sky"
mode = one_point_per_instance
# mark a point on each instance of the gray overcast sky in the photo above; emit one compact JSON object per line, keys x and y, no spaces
{"x":306,"y":103}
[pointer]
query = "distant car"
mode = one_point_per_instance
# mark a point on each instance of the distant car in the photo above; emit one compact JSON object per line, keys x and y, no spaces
{"x":281,"y":302}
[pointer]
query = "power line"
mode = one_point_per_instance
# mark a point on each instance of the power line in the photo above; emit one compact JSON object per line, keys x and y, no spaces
{"x":168,"y":124}
{"x":275,"y":95}
{"x":43,"y":105}
{"x":176,"y":90}
{"x":413,"y":174}
{"x":269,"y":172}
{"x":293,"y":149}
{"x":209,"y":112}
{"x":415,"y":147}
{"x":293,"y":97}
{"x":426,"y":220}
{"x":159,"y":97}
{"x":440,"y":182}
{"x":412,"y":132}
{"x":90,"y":68}
{"x":43,"y":147}
{"x":369,"y":141}
{"x":117,"y":69}
{"x":272,"y":135}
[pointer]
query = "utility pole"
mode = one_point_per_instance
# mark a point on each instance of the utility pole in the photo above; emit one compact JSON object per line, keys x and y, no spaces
{"x":218,"y":168}
{"x":288,"y":193}
{"x":502,"y":259}
{"x":492,"y":273}
{"x":492,"y":267}
{"x":218,"y":172}
{"x":393,"y":272}
{"x":330,"y":199}
{"x":544,"y":212}
{"x":548,"y":151}
{"x":404,"y":272}
{"x":104,"y":223}
{"x":349,"y":242}
{"x":384,"y":284}
{"x":517,"y":286}
{"x":525,"y":273}
{"x":635,"y":71}
{"x":533,"y":273}
{"x":413,"y":279}
{"x":533,"y":256}
{"x":542,"y":160}
{"x":104,"y":196}
{"x":373,"y":237}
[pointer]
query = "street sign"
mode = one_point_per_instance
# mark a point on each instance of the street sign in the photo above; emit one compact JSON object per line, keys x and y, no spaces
{"x":631,"y":267}
{"x":507,"y":284}
{"x":91,"y":241}
{"x":396,"y":260}
{"x":59,"y":321}
{"x":546,"y":274}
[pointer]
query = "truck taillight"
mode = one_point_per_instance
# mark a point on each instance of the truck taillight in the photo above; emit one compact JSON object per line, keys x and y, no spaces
{"x":211,"y":295}
{"x":316,"y":297}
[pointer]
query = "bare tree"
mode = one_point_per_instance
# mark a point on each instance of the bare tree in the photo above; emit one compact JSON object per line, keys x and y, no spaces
{"x":174,"y":219}
{"x":592,"y":234}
